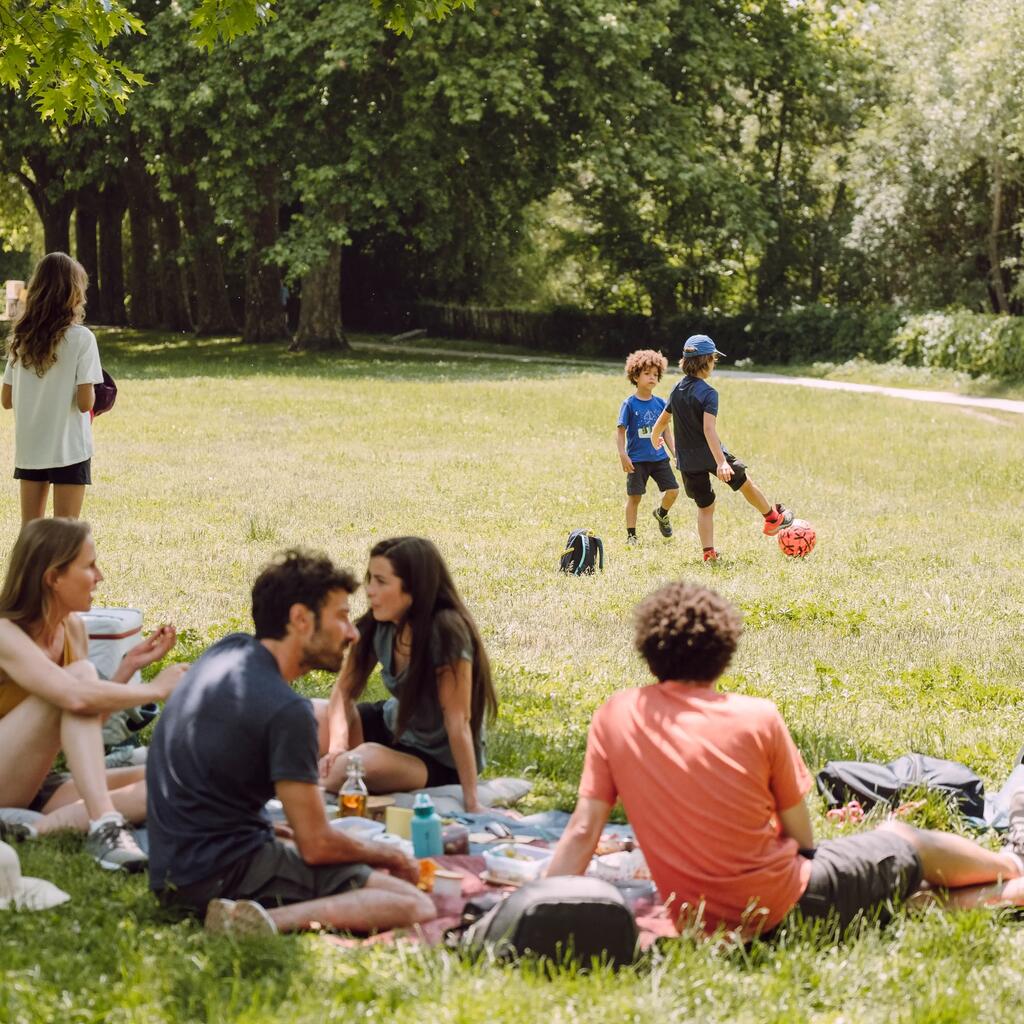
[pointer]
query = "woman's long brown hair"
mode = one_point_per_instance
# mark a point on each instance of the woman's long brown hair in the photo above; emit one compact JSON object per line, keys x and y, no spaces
{"x":43,"y":544}
{"x":55,"y":300}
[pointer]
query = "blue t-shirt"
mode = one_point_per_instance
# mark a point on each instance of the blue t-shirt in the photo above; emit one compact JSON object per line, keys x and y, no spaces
{"x":638,"y":417}
{"x":688,"y":401}
{"x":231,"y":729}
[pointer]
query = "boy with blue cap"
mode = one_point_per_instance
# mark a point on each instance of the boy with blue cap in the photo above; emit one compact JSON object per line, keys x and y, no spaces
{"x":693,"y":410}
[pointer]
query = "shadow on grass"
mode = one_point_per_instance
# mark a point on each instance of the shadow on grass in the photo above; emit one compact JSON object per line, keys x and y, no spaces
{"x":142,"y":355}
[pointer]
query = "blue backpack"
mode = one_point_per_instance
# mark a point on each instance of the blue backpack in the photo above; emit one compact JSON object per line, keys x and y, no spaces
{"x":583,"y":553}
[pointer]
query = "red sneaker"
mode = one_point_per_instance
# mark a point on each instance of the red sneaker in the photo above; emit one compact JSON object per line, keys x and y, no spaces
{"x":778,"y":519}
{"x":711,"y":556}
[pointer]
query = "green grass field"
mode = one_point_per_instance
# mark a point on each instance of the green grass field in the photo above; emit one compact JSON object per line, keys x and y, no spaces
{"x":903,"y":631}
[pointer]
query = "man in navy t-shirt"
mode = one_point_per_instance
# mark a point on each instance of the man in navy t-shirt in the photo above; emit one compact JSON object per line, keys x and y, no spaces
{"x":235,"y":735}
{"x":693,"y":411}
{"x":639,"y":458}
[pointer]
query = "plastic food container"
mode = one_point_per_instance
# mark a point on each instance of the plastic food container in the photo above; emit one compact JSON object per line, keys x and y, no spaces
{"x":516,"y":862}
{"x":358,"y":828}
{"x":621,"y":867}
{"x":387,"y":839}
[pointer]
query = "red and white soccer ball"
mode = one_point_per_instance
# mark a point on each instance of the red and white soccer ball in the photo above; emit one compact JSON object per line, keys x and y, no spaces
{"x":797,"y":539}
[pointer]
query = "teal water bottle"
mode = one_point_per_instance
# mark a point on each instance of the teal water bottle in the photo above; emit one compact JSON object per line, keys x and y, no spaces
{"x":425,"y":828}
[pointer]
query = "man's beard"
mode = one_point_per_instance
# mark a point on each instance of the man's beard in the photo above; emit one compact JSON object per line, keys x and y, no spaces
{"x":318,"y":654}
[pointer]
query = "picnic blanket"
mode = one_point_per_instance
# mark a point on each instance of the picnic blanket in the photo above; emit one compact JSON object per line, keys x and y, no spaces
{"x":449,"y":912}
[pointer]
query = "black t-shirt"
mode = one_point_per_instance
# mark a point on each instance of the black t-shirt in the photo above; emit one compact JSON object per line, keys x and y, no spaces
{"x":688,"y":401}
{"x":231,"y":729}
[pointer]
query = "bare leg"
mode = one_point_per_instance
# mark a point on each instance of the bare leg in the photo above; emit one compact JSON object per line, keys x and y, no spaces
{"x":29,"y":741}
{"x":65,"y":810}
{"x":68,"y":500}
{"x":33,"y":499}
{"x":81,"y":739}
{"x":706,"y":526}
{"x":668,"y":498}
{"x":953,"y":862}
{"x":322,"y":728}
{"x":387,"y":771}
{"x":383,"y":903}
{"x":755,"y":496}
{"x":632,"y":504}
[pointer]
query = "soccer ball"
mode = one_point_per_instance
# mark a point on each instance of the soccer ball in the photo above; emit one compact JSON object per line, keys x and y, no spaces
{"x":797,"y":539}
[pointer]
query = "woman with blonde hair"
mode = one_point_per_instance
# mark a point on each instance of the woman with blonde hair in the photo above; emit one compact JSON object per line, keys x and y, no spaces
{"x":53,"y":365}
{"x":52,"y":700}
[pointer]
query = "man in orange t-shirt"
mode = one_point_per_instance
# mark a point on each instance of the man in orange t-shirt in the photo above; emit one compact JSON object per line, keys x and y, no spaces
{"x":714,"y":788}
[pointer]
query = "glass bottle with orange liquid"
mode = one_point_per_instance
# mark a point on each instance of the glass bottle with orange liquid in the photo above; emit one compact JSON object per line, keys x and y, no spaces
{"x":352,"y":798}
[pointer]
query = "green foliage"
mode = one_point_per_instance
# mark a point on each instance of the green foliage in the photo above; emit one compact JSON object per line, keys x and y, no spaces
{"x":56,"y":51}
{"x":974,"y":343}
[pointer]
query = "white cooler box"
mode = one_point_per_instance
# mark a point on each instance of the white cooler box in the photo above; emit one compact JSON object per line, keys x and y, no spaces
{"x":112,"y":631}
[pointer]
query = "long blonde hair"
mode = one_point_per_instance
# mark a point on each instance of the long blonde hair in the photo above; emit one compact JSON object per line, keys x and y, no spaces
{"x":55,"y":300}
{"x":42,"y":545}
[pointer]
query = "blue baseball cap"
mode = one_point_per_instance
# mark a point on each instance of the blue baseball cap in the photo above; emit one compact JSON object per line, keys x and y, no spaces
{"x":700,"y":345}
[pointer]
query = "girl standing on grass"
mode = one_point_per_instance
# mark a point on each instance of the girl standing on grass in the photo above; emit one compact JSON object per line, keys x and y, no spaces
{"x":52,"y":700}
{"x":433,"y":664}
{"x":53,"y":365}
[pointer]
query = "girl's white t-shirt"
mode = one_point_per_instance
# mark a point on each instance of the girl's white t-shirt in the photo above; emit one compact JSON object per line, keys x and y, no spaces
{"x":49,"y":431}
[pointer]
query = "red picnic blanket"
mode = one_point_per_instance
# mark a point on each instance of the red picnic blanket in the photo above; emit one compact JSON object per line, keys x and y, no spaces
{"x":449,"y":911}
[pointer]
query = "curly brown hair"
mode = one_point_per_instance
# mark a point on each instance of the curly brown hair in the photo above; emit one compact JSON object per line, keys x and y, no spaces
{"x":687,"y":632}
{"x":643,"y":359}
{"x":697,"y":366}
{"x":54,"y":301}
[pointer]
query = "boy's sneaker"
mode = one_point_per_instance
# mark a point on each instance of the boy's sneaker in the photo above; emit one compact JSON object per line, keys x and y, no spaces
{"x":632,"y":540}
{"x":777,"y":519}
{"x":663,"y":524}
{"x":113,"y":846}
{"x":711,"y":556}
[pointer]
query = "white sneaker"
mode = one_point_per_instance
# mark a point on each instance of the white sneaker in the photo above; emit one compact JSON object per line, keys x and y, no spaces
{"x":241,"y":919}
{"x":114,"y":847}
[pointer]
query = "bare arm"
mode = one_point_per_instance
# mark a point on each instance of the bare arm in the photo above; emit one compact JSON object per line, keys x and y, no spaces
{"x":579,"y":840}
{"x":455,"y":695}
{"x":660,"y":426}
{"x":724,"y":470}
{"x":77,"y":688}
{"x":318,"y":843}
{"x":155,"y":646}
{"x":85,"y":395}
{"x":344,"y":727}
{"x":7,"y":396}
{"x":620,"y":443}
{"x":796,"y":823}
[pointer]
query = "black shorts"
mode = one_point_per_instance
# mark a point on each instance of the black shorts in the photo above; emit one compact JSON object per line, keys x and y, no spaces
{"x":868,"y":873}
{"x":375,"y":730}
{"x":698,"y":485}
{"x":79,"y":473}
{"x":52,"y":782}
{"x":660,"y":472}
{"x":275,"y":875}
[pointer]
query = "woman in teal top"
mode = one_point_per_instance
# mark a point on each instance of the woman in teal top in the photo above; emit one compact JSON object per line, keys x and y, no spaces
{"x":429,"y":732}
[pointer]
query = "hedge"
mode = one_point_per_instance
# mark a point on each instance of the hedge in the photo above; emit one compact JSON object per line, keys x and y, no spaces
{"x":974,"y":343}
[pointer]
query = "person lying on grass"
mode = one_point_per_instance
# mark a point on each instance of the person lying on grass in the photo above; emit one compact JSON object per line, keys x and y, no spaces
{"x":714,"y":788}
{"x":430,"y":731}
{"x":52,"y":700}
{"x":234,"y":735}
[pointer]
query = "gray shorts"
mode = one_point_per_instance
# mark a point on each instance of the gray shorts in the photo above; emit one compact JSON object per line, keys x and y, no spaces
{"x":275,"y":875}
{"x":870,"y":873}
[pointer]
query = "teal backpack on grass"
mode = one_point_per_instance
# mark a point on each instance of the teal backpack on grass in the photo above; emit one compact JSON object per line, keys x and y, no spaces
{"x":583,"y":553}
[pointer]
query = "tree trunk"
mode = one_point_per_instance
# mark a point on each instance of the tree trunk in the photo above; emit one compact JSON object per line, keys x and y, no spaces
{"x":85,"y":248}
{"x":320,"y":307}
{"x":213,"y":310}
{"x":111,"y":255}
{"x":1002,"y":303}
{"x":266,"y":319}
{"x":141,"y":270}
{"x":56,"y":218}
{"x":172,"y":292}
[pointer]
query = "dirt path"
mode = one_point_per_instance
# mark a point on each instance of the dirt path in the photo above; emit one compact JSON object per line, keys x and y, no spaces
{"x":907,"y":394}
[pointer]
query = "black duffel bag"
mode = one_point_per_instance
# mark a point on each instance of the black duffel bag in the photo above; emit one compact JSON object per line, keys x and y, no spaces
{"x":567,"y":919}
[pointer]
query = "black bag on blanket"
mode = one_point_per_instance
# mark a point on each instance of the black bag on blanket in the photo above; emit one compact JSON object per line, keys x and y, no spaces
{"x":842,"y":781}
{"x":565,"y":919}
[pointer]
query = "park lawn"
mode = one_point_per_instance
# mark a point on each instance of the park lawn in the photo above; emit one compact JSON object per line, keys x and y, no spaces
{"x":903,"y":631}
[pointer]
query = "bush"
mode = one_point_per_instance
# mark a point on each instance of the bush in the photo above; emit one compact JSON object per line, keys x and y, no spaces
{"x":974,"y":343}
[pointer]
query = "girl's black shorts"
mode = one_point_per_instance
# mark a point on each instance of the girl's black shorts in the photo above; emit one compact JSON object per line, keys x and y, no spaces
{"x":79,"y":473}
